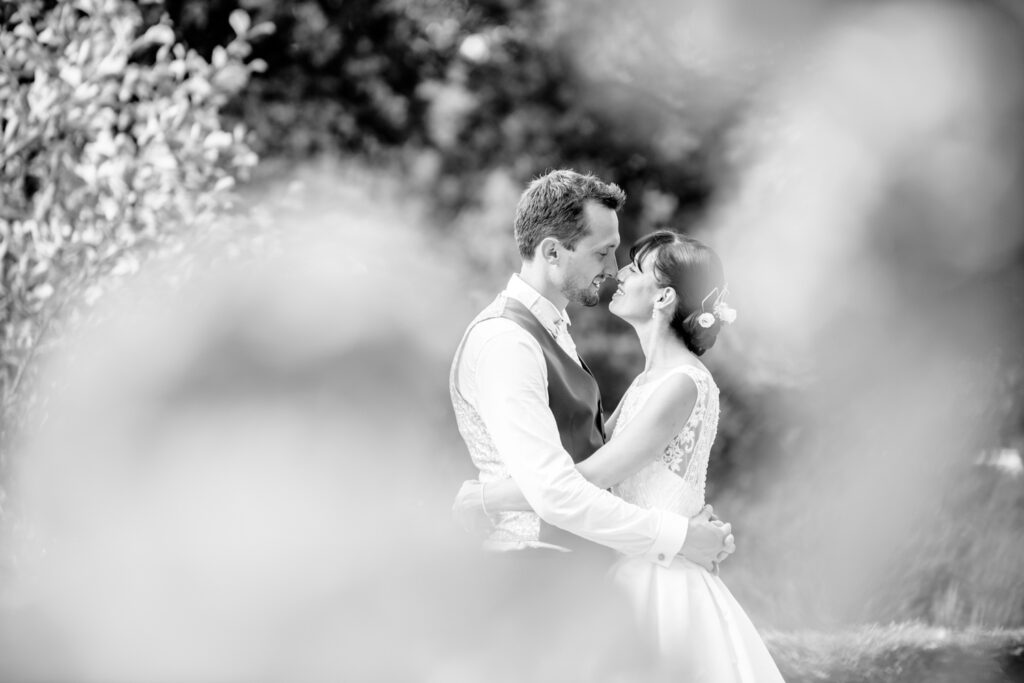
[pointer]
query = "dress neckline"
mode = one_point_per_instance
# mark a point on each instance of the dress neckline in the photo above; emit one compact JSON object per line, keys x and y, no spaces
{"x":675,"y":369}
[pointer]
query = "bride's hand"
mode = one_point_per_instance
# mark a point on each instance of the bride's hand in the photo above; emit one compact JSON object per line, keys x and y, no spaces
{"x":713,"y":517}
{"x":708,"y":541}
{"x":728,"y":549}
{"x":729,"y":542}
{"x":468,"y":509}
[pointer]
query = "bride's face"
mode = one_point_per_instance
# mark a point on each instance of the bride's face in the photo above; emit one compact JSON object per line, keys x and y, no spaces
{"x":634,"y":298}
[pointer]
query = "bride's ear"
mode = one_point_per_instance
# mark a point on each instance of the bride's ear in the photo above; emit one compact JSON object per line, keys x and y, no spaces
{"x":666,"y":299}
{"x":548,"y":249}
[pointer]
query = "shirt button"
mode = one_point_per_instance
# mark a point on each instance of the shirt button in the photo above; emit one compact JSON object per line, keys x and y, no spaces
{"x":661,"y":557}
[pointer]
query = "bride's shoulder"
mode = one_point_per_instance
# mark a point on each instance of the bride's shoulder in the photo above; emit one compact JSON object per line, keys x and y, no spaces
{"x":672,"y":398}
{"x":683,"y":380}
{"x":692,"y":378}
{"x":695,"y":371}
{"x":672,"y":383}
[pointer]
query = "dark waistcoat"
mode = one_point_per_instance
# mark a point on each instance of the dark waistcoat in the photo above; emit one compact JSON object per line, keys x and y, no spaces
{"x":576,"y":404}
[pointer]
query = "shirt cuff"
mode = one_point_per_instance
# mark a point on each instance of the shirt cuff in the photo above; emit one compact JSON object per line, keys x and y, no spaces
{"x":669,"y":541}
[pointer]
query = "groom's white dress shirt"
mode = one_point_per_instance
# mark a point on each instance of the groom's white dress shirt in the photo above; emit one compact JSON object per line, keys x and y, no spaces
{"x":502,"y":376}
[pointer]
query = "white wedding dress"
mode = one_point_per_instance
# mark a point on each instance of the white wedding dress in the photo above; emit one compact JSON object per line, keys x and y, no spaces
{"x":699,"y":629}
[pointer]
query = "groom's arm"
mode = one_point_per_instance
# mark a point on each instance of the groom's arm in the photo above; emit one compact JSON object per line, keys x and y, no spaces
{"x":512,"y":399}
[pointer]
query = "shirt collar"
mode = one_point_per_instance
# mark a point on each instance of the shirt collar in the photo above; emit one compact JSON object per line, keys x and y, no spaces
{"x":545,"y":311}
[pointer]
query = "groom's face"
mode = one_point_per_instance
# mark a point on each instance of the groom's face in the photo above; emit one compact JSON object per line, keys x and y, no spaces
{"x":593,"y":259}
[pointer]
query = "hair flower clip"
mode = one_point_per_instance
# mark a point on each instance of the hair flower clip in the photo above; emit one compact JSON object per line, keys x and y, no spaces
{"x":725,"y":313}
{"x":719,"y":309}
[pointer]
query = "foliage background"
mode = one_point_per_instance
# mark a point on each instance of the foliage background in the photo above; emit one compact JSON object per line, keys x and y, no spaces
{"x":122,"y":139}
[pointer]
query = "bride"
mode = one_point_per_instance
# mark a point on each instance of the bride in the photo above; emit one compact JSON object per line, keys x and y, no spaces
{"x":673,"y":294}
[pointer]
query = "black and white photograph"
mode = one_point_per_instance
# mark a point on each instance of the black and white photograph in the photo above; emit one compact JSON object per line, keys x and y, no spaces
{"x":451,"y":341}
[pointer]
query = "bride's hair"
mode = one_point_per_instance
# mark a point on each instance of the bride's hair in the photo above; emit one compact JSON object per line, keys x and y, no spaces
{"x":693,"y":270}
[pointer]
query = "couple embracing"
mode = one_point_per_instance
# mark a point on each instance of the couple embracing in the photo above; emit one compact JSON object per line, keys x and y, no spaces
{"x":557,"y":480}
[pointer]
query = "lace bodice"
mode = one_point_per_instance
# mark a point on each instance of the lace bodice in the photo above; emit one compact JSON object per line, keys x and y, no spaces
{"x":675,"y":480}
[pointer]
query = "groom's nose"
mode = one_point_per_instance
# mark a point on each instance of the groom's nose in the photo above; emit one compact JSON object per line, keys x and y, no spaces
{"x":611,"y":267}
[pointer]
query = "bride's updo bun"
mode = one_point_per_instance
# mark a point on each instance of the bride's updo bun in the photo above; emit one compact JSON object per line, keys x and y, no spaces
{"x":693,"y":270}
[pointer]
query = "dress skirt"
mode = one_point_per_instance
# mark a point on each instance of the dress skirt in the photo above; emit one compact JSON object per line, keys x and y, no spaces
{"x":700,"y":631}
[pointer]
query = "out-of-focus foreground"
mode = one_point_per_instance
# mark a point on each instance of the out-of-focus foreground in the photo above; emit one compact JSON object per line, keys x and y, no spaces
{"x":225,"y":426}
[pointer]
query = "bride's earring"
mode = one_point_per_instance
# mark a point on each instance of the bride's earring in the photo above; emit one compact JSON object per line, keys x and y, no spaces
{"x":652,"y":342}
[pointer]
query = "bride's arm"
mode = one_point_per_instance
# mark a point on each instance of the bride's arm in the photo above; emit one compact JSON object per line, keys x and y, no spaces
{"x":609,"y":424}
{"x":647,"y":435}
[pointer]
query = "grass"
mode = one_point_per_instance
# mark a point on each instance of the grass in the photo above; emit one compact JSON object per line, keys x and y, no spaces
{"x":899,"y":653}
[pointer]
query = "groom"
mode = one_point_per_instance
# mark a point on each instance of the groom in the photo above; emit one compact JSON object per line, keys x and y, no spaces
{"x":528,"y":407}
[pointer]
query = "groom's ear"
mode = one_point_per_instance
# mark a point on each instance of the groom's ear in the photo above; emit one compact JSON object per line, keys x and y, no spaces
{"x":549,"y":249}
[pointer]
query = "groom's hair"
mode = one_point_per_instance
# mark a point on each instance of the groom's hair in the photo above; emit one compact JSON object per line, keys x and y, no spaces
{"x":552,"y":206}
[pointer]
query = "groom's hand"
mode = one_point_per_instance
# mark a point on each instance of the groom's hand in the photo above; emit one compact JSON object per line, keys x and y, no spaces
{"x":708,"y":540}
{"x":468,"y":509}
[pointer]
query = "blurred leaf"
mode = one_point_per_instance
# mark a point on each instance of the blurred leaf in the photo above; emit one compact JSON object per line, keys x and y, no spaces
{"x":160,"y":34}
{"x":232,"y":78}
{"x":240,"y":22}
{"x":111,"y":156}
{"x":265,"y":28}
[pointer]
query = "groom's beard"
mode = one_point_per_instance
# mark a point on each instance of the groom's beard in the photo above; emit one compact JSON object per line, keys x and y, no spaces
{"x":588,"y":295}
